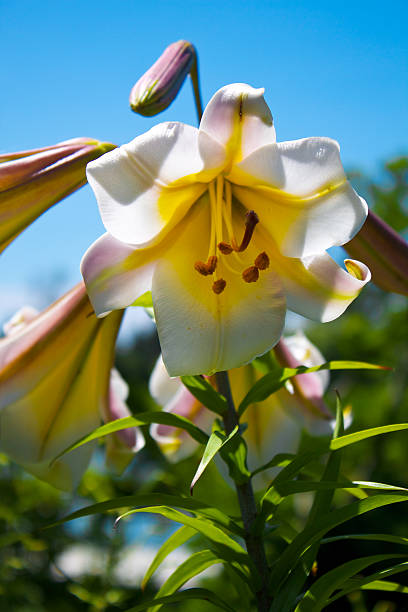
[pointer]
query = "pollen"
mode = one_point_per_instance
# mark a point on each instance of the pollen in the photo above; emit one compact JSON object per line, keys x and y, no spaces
{"x":206,"y":268}
{"x":219,"y":286}
{"x":262,"y":261}
{"x":251,"y":274}
{"x":225,"y":248}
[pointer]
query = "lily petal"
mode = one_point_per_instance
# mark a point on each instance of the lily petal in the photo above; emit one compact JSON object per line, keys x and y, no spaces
{"x":54,"y":377}
{"x":246,"y":319}
{"x":238,"y":117}
{"x":318,"y":288}
{"x":145,"y":187}
{"x":301,"y":194}
{"x":116,"y":274}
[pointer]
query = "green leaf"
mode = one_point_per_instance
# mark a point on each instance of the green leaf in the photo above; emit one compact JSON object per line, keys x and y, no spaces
{"x":185,"y":595}
{"x":272,"y":496}
{"x":368,"y":582}
{"x":227,"y":548}
{"x":321,"y":504}
{"x":381,"y":537}
{"x":143,"y":418}
{"x":315,"y":599}
{"x":289,"y":558}
{"x":151,"y":499}
{"x":384,"y":585}
{"x":364,"y":434}
{"x":291,"y":488}
{"x":214,"y":444}
{"x":192,"y":566}
{"x":279,"y":460}
{"x":145,"y":300}
{"x":177,"y":539}
{"x":205,"y":393}
{"x":273,"y":381}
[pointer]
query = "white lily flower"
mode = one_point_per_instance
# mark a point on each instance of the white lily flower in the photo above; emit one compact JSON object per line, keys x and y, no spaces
{"x":55,"y":386}
{"x":227,"y":228}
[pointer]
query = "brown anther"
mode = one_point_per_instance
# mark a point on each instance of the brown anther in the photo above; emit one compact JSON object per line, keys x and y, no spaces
{"x":212,"y":264}
{"x":206,"y":268}
{"x":251,"y":220}
{"x":225,"y":248}
{"x":201,"y":268}
{"x":251,"y":274}
{"x":219,"y":286}
{"x":262,"y":261}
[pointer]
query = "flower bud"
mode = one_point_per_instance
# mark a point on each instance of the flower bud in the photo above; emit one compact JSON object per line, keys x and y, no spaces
{"x":33,"y":181}
{"x":307,"y":389}
{"x":384,"y":252}
{"x":159,"y":86}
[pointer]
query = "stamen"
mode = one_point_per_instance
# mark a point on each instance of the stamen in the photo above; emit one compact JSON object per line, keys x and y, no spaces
{"x":251,"y":220}
{"x":262,"y":261}
{"x":251,"y":274}
{"x":212,"y":264}
{"x":225,"y":248}
{"x":219,"y":286}
{"x":206,"y":268}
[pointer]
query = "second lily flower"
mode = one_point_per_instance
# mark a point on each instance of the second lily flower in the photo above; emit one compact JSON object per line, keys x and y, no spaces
{"x":227,"y":228}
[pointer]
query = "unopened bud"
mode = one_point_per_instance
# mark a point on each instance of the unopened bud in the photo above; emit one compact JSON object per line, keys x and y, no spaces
{"x":384,"y":251}
{"x":32,"y":181}
{"x":159,"y":86}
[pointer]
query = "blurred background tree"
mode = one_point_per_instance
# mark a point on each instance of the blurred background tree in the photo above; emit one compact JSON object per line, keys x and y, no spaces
{"x":88,"y":565}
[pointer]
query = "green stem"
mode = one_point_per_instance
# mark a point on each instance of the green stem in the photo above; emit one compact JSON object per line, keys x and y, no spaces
{"x":196,"y":88}
{"x":246,"y":499}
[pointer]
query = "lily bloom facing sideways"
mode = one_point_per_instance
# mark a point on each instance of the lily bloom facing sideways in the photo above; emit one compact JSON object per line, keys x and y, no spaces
{"x":33,"y":181}
{"x":274,"y":424}
{"x":227,"y":228}
{"x":55,"y":371}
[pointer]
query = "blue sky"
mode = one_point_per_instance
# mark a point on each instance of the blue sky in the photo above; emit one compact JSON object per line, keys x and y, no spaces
{"x":335,"y":69}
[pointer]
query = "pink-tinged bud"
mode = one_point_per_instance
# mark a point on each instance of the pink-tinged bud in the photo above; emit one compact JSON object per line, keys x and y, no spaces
{"x":122,"y":445}
{"x":159,"y":86}
{"x":54,"y":385}
{"x":33,"y":181}
{"x":308,"y":389}
{"x":384,"y":252}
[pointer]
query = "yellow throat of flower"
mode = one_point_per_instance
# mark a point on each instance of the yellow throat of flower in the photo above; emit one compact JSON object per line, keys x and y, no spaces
{"x":220,"y":250}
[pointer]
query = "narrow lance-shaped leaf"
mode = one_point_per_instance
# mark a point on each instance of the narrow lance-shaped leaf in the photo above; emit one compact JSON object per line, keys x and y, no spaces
{"x":374,"y":582}
{"x":273,"y":381}
{"x":192,"y":566}
{"x":205,"y":393}
{"x":186,"y":595}
{"x":215,"y":443}
{"x":228,"y":549}
{"x":143,"y":418}
{"x":200,"y":508}
{"x":307,"y":537}
{"x":177,"y":539}
{"x":316,"y":597}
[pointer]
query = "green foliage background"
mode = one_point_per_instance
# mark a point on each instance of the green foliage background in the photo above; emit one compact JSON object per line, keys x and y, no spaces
{"x":374,"y":329}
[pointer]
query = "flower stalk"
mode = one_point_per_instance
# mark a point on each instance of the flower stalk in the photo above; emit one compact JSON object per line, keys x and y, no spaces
{"x":246,"y":499}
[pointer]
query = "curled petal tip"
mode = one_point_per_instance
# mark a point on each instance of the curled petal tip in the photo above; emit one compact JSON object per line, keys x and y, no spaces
{"x":384,"y":251}
{"x":159,"y":86}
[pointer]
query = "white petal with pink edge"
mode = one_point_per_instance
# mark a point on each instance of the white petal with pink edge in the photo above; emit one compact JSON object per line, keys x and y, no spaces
{"x":238,"y":117}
